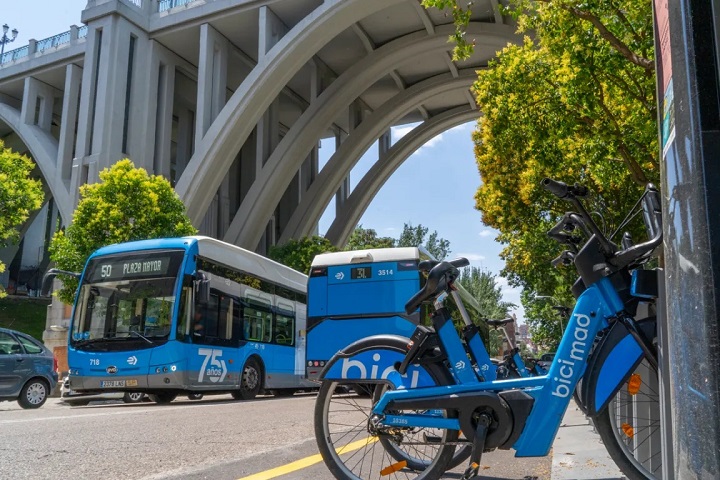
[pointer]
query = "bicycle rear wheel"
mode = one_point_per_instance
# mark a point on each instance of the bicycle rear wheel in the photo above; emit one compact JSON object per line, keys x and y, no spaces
{"x":352,"y":453}
{"x":630,"y":426}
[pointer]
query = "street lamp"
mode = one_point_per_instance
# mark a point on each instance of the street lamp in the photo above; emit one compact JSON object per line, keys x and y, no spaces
{"x":562,"y":310}
{"x":5,"y":39}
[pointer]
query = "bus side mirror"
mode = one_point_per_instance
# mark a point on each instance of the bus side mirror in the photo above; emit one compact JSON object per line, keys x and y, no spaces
{"x":202,"y":289}
{"x":50,"y":275}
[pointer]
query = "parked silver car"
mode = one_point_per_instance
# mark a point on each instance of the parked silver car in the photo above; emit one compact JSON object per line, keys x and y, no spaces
{"x":27,"y":369}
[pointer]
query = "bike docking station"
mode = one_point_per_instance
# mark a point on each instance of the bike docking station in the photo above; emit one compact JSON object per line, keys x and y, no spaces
{"x":687,"y":61}
{"x":650,"y":382}
{"x":442,"y":384}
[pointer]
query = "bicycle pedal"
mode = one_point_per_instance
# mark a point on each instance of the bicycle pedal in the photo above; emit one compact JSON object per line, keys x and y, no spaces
{"x":471,"y":471}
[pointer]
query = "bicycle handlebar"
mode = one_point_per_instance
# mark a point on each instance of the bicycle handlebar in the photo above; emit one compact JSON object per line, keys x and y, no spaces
{"x":653,"y":223}
{"x":440,"y":279}
{"x":563,"y":190}
{"x":621,"y":258}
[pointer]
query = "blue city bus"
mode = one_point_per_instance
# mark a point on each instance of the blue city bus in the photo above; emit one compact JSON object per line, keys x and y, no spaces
{"x":357,"y":294}
{"x":189,"y":315}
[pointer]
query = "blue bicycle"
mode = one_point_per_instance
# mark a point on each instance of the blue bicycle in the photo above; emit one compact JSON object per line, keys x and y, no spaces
{"x":430,"y":389}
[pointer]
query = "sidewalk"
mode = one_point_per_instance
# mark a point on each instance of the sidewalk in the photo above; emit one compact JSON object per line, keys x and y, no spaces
{"x":578,"y":453}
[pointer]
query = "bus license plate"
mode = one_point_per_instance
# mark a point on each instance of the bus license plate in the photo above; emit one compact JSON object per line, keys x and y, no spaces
{"x":112,"y":383}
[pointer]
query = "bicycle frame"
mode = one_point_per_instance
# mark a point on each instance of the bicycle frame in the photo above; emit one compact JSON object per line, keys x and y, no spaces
{"x":551,"y":393}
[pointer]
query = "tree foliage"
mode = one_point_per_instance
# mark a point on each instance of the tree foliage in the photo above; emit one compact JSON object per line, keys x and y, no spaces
{"x":127,"y":204}
{"x":414,"y":236}
{"x":482,"y":286}
{"x":299,"y":254}
{"x":20,"y":194}
{"x":575,"y":102}
{"x":363,"y":238}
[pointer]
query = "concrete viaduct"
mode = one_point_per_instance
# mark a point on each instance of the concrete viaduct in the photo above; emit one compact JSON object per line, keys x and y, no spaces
{"x":229,"y":100}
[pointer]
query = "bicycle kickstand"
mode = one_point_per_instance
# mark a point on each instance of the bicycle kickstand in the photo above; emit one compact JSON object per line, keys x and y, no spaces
{"x":483,"y":423}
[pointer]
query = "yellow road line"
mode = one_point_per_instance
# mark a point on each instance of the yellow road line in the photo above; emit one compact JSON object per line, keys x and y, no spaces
{"x":307,"y":461}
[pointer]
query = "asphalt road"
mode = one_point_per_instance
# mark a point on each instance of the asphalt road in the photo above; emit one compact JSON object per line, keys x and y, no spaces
{"x":214,"y":438}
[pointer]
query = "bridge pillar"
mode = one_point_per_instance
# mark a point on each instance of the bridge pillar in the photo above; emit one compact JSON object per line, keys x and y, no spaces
{"x":271,"y":30}
{"x":355,"y":118}
{"x":113,"y":78}
{"x":37,"y":104}
{"x":71,"y":95}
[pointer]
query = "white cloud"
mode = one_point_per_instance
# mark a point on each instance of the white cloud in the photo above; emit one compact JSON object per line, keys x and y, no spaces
{"x":400,"y":132}
{"x":486,"y":233}
{"x":465,"y":127}
{"x":473,"y":257}
{"x":433,"y":141}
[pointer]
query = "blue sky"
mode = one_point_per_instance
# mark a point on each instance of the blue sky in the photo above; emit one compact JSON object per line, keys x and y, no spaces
{"x":446,"y":162}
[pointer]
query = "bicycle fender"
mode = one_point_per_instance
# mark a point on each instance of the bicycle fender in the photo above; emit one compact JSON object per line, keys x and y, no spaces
{"x":374,"y":360}
{"x":610,"y":365}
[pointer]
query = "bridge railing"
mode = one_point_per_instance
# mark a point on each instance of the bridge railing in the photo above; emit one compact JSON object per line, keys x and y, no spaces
{"x":168,"y":4}
{"x":40,"y":46}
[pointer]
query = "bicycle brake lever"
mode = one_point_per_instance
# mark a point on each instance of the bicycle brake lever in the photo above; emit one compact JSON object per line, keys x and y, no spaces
{"x":566,"y":258}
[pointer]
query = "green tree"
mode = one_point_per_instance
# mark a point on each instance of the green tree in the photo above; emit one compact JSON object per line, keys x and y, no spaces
{"x":20,"y":194}
{"x":544,"y":321}
{"x":127,"y":204}
{"x":413,"y":236}
{"x":482,"y":285}
{"x":362,"y":238}
{"x":576,"y":103}
{"x":299,"y":254}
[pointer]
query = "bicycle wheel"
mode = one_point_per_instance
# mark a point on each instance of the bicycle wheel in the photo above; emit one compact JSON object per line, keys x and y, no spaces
{"x":352,"y":453}
{"x":630,"y":426}
{"x":418,"y":459}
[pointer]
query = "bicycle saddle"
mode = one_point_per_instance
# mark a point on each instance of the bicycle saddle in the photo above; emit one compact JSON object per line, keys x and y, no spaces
{"x":441,"y":276}
{"x":498,"y":323}
{"x":427,"y":265}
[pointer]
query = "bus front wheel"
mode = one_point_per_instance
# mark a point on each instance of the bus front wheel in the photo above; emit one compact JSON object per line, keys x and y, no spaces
{"x":163,"y":397}
{"x":250,"y":381}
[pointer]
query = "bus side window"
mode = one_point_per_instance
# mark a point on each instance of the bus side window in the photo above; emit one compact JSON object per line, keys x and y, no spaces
{"x":284,"y":331}
{"x":258,"y":321}
{"x":237,"y":330}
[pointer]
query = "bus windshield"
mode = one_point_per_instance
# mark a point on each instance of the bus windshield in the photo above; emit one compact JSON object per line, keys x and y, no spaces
{"x":126,"y":301}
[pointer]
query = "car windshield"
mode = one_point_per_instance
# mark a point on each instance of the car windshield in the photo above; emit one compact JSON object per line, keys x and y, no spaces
{"x":126,"y":302}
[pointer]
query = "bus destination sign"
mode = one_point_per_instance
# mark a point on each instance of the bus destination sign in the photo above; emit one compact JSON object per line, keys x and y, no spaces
{"x":357,"y":273}
{"x":123,"y":268}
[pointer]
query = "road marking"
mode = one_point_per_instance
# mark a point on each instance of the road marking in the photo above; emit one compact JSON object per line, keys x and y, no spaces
{"x":307,"y":461}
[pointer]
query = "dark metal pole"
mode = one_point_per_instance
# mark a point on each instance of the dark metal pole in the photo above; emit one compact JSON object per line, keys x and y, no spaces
{"x":689,"y":99}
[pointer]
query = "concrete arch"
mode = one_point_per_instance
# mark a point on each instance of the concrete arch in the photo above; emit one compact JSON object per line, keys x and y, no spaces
{"x":229,"y":131}
{"x":270,"y":184}
{"x":347,"y":155}
{"x":360,"y":198}
{"x":44,"y":150}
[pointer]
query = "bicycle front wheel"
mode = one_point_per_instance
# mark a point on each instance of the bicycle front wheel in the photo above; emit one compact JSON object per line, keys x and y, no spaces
{"x":630,"y":426}
{"x":352,"y":453}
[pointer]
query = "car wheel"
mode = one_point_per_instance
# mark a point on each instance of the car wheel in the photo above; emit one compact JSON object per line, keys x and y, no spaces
{"x":133,"y":397}
{"x":195,"y":396}
{"x":164,"y":397}
{"x":34,"y":394}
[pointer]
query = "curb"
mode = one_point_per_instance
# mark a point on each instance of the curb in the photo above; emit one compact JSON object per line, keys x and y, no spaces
{"x":578,"y":452}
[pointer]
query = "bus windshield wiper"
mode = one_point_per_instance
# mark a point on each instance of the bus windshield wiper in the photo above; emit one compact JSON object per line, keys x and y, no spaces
{"x":87,"y":342}
{"x":133,"y":332}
